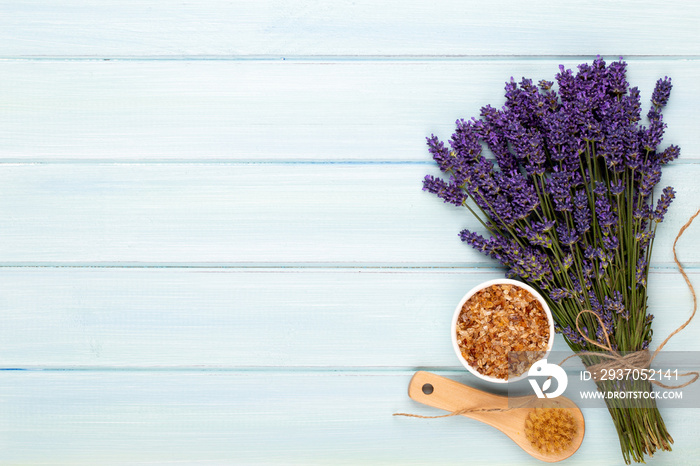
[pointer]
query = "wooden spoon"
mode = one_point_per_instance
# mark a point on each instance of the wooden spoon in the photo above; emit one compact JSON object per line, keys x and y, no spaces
{"x":440,"y":392}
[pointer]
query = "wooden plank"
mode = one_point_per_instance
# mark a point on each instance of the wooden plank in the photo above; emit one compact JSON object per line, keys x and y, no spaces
{"x":276,"y":110}
{"x":215,"y":28}
{"x":257,"y":318}
{"x":253,"y":214}
{"x":272,"y":418}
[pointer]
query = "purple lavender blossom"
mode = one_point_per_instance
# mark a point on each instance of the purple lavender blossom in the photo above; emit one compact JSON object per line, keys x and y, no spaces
{"x":465,"y":142}
{"x":649,"y":176}
{"x":611,"y":243}
{"x":617,"y":79}
{"x":440,"y":153}
{"x":520,"y":191}
{"x":573,"y":336}
{"x":662,"y":91}
{"x":527,"y":263}
{"x":491,"y":246}
{"x":632,"y":104}
{"x":651,"y":137}
{"x":545,"y":225}
{"x":595,"y":303}
{"x":558,"y":294}
{"x":615,"y":303}
{"x":536,"y":236}
{"x":567,"y":261}
{"x":642,"y":212}
{"x":644,"y":238}
{"x":669,"y":154}
{"x":559,"y":187}
{"x":545,"y":85}
{"x":663,"y":203}
{"x":604,"y":213}
{"x":617,"y":187}
{"x":582,"y":212}
{"x":633,"y":159}
{"x":448,"y":192}
{"x":641,"y":272}
{"x":590,"y":252}
{"x":600,"y":189}
{"x":567,"y":236}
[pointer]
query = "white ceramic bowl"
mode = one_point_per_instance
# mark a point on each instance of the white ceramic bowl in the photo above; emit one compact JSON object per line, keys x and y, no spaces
{"x":458,"y":311}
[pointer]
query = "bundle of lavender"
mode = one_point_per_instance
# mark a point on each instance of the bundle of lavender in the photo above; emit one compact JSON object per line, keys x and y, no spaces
{"x":568,"y":199}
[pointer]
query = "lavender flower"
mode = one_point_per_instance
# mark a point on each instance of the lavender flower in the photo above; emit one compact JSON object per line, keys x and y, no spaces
{"x":558,"y":187}
{"x":611,"y":243}
{"x":651,"y":137}
{"x":616,"y":76}
{"x":662,"y":91}
{"x":440,"y":153}
{"x":669,"y":154}
{"x":567,"y":236}
{"x":600,"y":189}
{"x":604,"y":213}
{"x":491,"y":246}
{"x":632,"y":105}
{"x":448,"y":192}
{"x":589,"y":252}
{"x":520,"y":191}
{"x":558,"y":294}
{"x":641,"y":272}
{"x":567,"y":261}
{"x":595,"y":304}
{"x":582,"y":213}
{"x":663,"y":203}
{"x":615,"y":303}
{"x":536,"y":236}
{"x":573,"y":336}
{"x":643,"y":238}
{"x":617,"y":187}
{"x":642,"y":212}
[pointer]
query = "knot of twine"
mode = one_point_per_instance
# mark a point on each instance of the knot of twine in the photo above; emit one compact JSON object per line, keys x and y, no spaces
{"x":636,"y":360}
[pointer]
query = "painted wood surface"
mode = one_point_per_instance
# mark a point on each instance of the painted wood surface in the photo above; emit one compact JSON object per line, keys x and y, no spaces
{"x":254,"y":214}
{"x":246,"y":318}
{"x":214,"y":248}
{"x":78,"y":28}
{"x":334,"y":109}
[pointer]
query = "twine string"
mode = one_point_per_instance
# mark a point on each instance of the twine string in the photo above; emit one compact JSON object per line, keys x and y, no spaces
{"x":635,"y":360}
{"x":459,"y":412}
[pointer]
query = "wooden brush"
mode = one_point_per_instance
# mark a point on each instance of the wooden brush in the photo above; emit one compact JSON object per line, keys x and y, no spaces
{"x":549,"y":430}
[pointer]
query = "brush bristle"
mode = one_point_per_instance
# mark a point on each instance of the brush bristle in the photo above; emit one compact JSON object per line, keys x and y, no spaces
{"x":550,"y":430}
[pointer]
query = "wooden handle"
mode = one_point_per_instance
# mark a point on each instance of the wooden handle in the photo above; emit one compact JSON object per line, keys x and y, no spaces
{"x":443,"y":393}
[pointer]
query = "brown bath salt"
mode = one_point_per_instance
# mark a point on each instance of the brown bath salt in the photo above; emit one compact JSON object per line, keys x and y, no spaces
{"x":501,"y":319}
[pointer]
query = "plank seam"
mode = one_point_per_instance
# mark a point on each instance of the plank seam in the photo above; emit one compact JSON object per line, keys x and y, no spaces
{"x":338,"y":58}
{"x":663,"y":267}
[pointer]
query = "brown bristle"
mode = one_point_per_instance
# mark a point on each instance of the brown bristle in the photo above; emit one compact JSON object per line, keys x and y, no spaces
{"x":550,"y":430}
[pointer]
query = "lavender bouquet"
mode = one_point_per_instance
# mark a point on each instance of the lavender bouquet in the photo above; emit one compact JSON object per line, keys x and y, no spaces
{"x":567,"y":197}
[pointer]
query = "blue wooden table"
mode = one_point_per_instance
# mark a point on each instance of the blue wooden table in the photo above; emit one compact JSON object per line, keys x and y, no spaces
{"x":214,"y":247}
